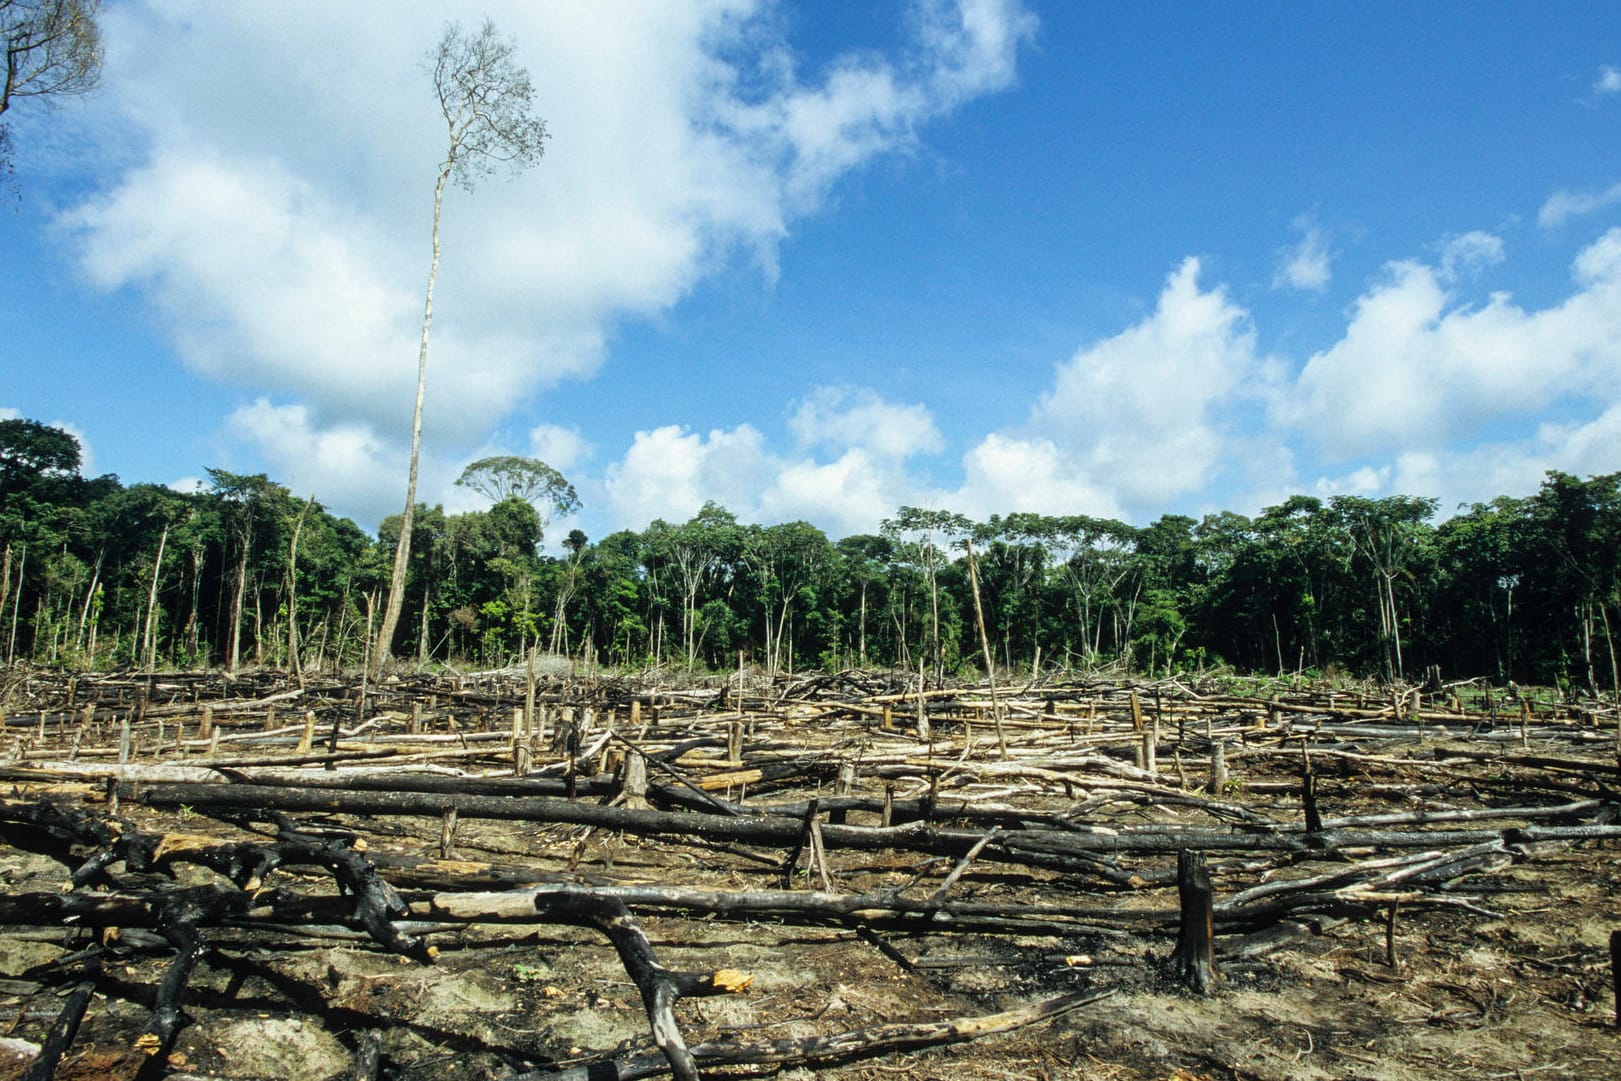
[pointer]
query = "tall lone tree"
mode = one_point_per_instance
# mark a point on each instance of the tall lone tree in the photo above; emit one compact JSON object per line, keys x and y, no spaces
{"x":485,"y":98}
{"x":53,"y":49}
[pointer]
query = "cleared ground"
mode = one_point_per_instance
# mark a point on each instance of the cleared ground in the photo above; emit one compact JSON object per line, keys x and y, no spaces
{"x":1448,"y":915}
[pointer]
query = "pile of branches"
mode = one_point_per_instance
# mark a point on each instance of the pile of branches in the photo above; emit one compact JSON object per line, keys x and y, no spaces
{"x":1075,"y":798}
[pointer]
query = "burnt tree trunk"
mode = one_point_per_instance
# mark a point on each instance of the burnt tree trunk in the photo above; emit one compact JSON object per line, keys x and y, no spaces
{"x":1195,"y":957}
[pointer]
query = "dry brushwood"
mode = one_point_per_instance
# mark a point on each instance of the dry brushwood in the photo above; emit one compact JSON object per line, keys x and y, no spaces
{"x":1047,"y":873}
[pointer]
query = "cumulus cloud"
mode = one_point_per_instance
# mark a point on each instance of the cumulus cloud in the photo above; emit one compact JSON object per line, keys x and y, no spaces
{"x":559,"y":447}
{"x":1608,"y":81}
{"x":850,"y":466}
{"x":848,"y":495}
{"x":273,"y":188}
{"x":671,"y":473}
{"x":1005,"y":473}
{"x":1416,"y":369}
{"x":310,"y":457}
{"x":1140,"y":419}
{"x":1308,"y":265}
{"x":1423,"y":392}
{"x":858,"y":417}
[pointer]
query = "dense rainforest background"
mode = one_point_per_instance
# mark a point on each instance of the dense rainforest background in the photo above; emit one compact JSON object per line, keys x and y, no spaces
{"x":246,"y":572}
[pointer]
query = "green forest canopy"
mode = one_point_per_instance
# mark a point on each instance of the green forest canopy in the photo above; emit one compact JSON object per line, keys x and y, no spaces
{"x":1522,"y":588}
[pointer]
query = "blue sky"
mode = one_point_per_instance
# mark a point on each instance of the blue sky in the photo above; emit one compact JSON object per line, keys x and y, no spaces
{"x":823,"y":260}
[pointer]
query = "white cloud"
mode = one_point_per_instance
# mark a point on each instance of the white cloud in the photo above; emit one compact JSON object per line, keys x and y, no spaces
{"x":1473,"y":251}
{"x":1417,"y":370}
{"x":1421,"y":394}
{"x":187,"y":485}
{"x":1005,"y":473}
{"x":848,"y":495}
{"x":848,"y":468}
{"x":559,"y":447}
{"x":1608,"y":81}
{"x":1307,"y":265}
{"x":1564,"y":205}
{"x":1146,"y":414}
{"x":332,"y":460}
{"x":857,"y":417}
{"x":1457,"y":478}
{"x":671,"y":473}
{"x":273,"y":182}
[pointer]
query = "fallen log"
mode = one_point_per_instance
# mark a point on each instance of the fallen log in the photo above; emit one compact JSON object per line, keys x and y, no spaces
{"x":63,"y":1030}
{"x":830,"y":1050}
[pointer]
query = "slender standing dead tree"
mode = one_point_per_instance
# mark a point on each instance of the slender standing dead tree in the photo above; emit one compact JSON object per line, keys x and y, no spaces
{"x":52,"y":49}
{"x":485,"y":98}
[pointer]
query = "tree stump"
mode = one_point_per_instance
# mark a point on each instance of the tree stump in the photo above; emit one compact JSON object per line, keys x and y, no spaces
{"x":1194,"y":959}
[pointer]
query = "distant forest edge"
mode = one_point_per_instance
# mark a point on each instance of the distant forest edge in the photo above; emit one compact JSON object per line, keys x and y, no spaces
{"x":96,"y":573}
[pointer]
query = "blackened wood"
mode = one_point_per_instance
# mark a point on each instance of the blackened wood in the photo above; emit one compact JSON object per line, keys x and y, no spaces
{"x":660,"y":987}
{"x":799,"y":845}
{"x":1195,"y":955}
{"x":376,"y":903}
{"x":1308,"y":796}
{"x":60,"y":1038}
{"x":1615,"y":972}
{"x":368,"y":1056}
{"x":179,"y":916}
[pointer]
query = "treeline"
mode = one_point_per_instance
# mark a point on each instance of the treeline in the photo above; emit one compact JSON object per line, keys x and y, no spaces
{"x":93,"y":572}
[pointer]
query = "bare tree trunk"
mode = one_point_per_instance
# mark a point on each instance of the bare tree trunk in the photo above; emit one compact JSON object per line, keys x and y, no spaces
{"x":1587,"y":621}
{"x":16,"y":604}
{"x":863,"y":624}
{"x":188,"y":637}
{"x":934,"y":607}
{"x":1395,"y":624}
{"x":149,"y":642}
{"x":238,"y":594}
{"x":258,"y":619}
{"x":89,"y":594}
{"x":1615,"y":677}
{"x":292,"y":593}
{"x":402,"y":550}
{"x":985,"y":646}
{"x":422,"y":624}
{"x":5,"y":579}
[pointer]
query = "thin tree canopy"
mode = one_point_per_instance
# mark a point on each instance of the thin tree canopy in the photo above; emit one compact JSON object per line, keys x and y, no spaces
{"x":53,"y":49}
{"x":507,"y":476}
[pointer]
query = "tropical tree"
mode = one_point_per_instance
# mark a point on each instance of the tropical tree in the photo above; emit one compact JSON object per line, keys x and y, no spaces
{"x":863,"y":559}
{"x":506,"y":476}
{"x":1387,"y":533}
{"x":703,"y":554}
{"x":922,"y":537}
{"x":1479,"y":570}
{"x":53,"y":49}
{"x":787,"y":560}
{"x":248,"y":501}
{"x":485,"y":100}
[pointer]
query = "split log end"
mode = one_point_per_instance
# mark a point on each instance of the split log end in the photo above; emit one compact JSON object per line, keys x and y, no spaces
{"x":730,"y":981}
